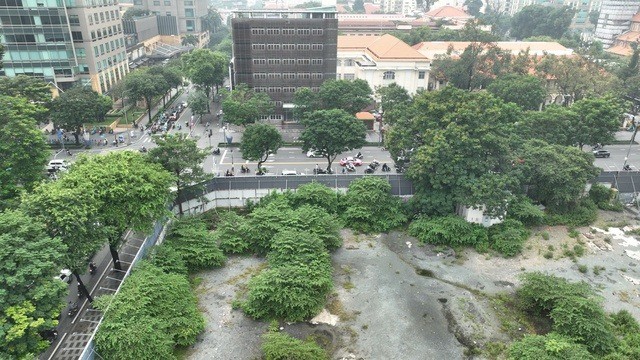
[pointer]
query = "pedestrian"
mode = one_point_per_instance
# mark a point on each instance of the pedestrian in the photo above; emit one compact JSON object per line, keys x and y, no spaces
{"x":208,"y":124}
{"x":192,"y":119}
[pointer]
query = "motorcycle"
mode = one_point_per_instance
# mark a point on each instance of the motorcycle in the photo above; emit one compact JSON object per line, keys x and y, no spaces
{"x":216,"y":151}
{"x":80,"y":293}
{"x":374,"y":164}
{"x":370,"y":169}
{"x":626,"y":167}
{"x":73,"y":309}
{"x":320,"y":171}
{"x":92,"y":268}
{"x":143,"y":149}
{"x":359,"y":155}
{"x":350,"y":167}
{"x":385,"y":167}
{"x":244,"y":169}
{"x":598,"y":146}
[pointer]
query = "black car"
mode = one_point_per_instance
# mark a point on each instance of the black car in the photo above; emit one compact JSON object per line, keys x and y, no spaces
{"x":601,"y":153}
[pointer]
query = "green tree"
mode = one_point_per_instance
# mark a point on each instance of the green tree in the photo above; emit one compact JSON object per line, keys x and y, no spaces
{"x":153,"y":313}
{"x":171,"y":75}
{"x":32,"y":88}
{"x":473,"y":7}
{"x":552,"y":346}
{"x":195,"y":244}
{"x":180,"y":156}
{"x":132,"y":192}
{"x":348,"y":95}
{"x":206,"y":69}
{"x":134,"y":12}
{"x":394,"y":100}
{"x":556,"y":174}
{"x":598,"y":120}
{"x":198,"y":102}
{"x":593,"y":17}
{"x":371,"y":207}
{"x":631,"y":68}
{"x":306,"y":102}
{"x":78,"y":106}
{"x":462,"y":149}
{"x":475,"y":68}
{"x":212,"y":21}
{"x":30,"y":296}
{"x":535,"y":20}
{"x":554,"y":125}
{"x":332,"y":132}
{"x":189,"y":39}
{"x":243,"y":106}
{"x":316,"y":194}
{"x":142,"y":85}
{"x":23,"y":149}
{"x":524,"y":90}
{"x":258,"y":142}
{"x":358,"y":6}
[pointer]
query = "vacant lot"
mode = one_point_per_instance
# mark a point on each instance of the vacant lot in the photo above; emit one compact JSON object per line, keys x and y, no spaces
{"x":396,"y":299}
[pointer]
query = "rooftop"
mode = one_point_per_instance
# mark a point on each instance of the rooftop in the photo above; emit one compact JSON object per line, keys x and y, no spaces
{"x":364,"y":115}
{"x":385,"y":47}
{"x":448,"y":12}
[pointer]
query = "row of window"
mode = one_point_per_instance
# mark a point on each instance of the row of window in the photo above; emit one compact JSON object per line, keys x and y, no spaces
{"x":271,"y":117}
{"x":287,"y":61}
{"x":287,"y":47}
{"x":106,"y":32}
{"x":110,"y":61}
{"x":97,"y":18}
{"x":285,"y":89}
{"x":108,"y":47}
{"x":286,"y":31}
{"x":287,"y":76}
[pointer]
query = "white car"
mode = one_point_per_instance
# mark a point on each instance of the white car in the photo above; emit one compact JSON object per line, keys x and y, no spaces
{"x":57,"y":164}
{"x":65,"y":275}
{"x":289,"y":172}
{"x":314,"y":154}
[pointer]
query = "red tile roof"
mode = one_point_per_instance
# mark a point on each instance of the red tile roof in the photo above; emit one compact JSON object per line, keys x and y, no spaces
{"x":448,"y":12}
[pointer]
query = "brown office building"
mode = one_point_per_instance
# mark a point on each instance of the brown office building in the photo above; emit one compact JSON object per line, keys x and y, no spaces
{"x":279,"y":52}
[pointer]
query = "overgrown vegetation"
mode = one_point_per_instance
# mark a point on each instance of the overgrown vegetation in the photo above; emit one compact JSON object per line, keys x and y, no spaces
{"x":278,"y":345}
{"x":604,"y":198}
{"x":196,"y":245}
{"x":370,"y":207}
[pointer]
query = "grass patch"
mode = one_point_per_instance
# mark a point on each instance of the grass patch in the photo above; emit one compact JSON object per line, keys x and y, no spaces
{"x":598,"y":269}
{"x":348,"y":285}
{"x":513,"y":322}
{"x":583,"y":268}
{"x":545,"y":235}
{"x":548,"y":255}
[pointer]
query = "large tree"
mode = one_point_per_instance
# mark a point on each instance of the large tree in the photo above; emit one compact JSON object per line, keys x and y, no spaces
{"x":23,"y":149}
{"x":143,"y":85}
{"x":206,"y":69}
{"x":459,"y":144}
{"x":554,"y":125}
{"x":181,"y":156}
{"x":78,"y":106}
{"x":32,"y":88}
{"x":30,"y":295}
{"x":524,"y":90}
{"x":536,"y":20}
{"x":332,"y":132}
{"x":132,"y":192}
{"x":598,"y":120}
{"x":172,"y":78}
{"x":475,"y":68}
{"x":198,"y":102}
{"x":348,"y":95}
{"x":243,"y":106}
{"x":393,"y":96}
{"x":258,"y":142}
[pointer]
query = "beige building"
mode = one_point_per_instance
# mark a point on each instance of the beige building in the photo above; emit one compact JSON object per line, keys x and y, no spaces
{"x":188,"y":13}
{"x":431,"y":49}
{"x":382,"y":60}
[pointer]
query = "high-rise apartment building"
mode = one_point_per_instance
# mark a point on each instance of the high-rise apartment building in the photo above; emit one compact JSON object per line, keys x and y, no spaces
{"x":279,"y":52}
{"x":187,"y":13}
{"x":615,"y":18}
{"x":64,"y":41}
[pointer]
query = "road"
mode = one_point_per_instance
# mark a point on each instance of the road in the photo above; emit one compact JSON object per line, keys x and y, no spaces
{"x":618,"y":153}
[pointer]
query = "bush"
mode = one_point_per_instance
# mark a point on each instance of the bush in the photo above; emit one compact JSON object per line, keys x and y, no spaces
{"x":448,"y":230}
{"x":508,"y":237}
{"x":152,"y":314}
{"x":320,"y":223}
{"x":265,"y":222}
{"x":290,"y":293}
{"x":281,"y":346}
{"x":624,"y":323}
{"x":232,"y":233}
{"x":539,"y":293}
{"x":585,"y":213}
{"x":286,"y":198}
{"x":603,"y":197}
{"x":552,"y":346}
{"x":299,"y":248}
{"x":523,"y":210}
{"x":318,"y":195}
{"x":168,"y":259}
{"x":371,"y":207}
{"x":195,"y":244}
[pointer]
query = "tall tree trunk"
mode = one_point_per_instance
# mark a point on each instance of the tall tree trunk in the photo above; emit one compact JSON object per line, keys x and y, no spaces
{"x":82,"y":288}
{"x":115,"y":257}
{"x":179,"y":199}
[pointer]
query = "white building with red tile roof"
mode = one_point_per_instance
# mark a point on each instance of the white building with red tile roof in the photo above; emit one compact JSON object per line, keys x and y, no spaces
{"x":382,"y":60}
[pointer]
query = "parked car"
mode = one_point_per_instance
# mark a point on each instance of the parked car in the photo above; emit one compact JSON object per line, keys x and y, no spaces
{"x":601,"y":153}
{"x":350,"y":160}
{"x":65,"y":275}
{"x":289,"y":172}
{"x":57,"y":164}
{"x":314,"y":154}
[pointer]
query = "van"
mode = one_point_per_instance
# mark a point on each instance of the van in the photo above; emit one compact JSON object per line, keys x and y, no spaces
{"x":57,"y":164}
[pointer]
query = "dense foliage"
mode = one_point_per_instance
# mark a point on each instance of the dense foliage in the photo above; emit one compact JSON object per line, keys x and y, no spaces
{"x":447,"y":230}
{"x":152,"y":314}
{"x":552,"y":346}
{"x":278,"y":345}
{"x":508,"y":237}
{"x":316,"y":194}
{"x":370,"y":207}
{"x":232,"y":233}
{"x":258,"y":142}
{"x":537,"y":20}
{"x":196,"y":245}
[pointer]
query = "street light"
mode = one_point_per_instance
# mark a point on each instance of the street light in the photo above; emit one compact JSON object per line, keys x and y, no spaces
{"x":126,"y":118}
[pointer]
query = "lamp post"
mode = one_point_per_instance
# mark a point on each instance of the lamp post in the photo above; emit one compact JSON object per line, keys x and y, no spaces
{"x":126,"y":118}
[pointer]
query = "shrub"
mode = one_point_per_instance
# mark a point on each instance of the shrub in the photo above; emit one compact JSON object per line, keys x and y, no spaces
{"x":320,"y":223}
{"x":265,"y":222}
{"x":371,"y":207}
{"x":195,"y":244}
{"x":290,"y":293}
{"x":539,"y":293}
{"x":299,"y":248}
{"x":447,"y":230}
{"x":583,"y":268}
{"x":552,"y":346}
{"x":318,"y":195}
{"x":624,"y":323}
{"x":523,"y":210}
{"x":603,"y":197}
{"x":286,"y":198}
{"x":168,"y":259}
{"x":152,"y":314}
{"x":508,"y":237}
{"x":585,"y":213}
{"x":578,"y":250}
{"x":232,"y":233}
{"x":282,"y":346}
{"x":545,"y":235}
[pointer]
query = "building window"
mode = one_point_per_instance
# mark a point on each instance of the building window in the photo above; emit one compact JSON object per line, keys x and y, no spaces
{"x":168,"y":13}
{"x":288,"y":61}
{"x":188,"y":3}
{"x":304,"y":31}
{"x":101,"y":17}
{"x":167,"y":2}
{"x":93,"y":35}
{"x":74,"y":20}
{"x":389,"y":75}
{"x":304,"y":61}
{"x":288,"y":31}
{"x":259,"y":61}
{"x":90,"y":18}
{"x":421,"y":74}
{"x":257,"y":31}
{"x":316,"y":76}
{"x":275,"y":76}
{"x":348,"y":62}
{"x":275,"y":89}
{"x":137,"y":2}
{"x":316,"y":31}
{"x":289,"y":89}
{"x":304,"y":46}
{"x":315,"y":89}
{"x":260,"y":76}
{"x":304,"y":75}
{"x":259,"y":89}
{"x":278,"y":104}
{"x":349,"y":76}
{"x":273,"y":31}
{"x":289,"y":76}
{"x":274,"y":61}
{"x":316,"y":47}
{"x":258,"y":46}
{"x":191,"y":25}
{"x":288,"y":46}
{"x":316,"y":61}
{"x":273,"y":46}
{"x":96,"y":51}
{"x":189,"y":13}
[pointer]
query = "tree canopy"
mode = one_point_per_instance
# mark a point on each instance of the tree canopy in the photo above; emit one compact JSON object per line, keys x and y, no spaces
{"x":144,"y":85}
{"x":206,"y":69}
{"x":332,"y":132}
{"x":526,"y":91}
{"x":349,"y":95}
{"x":537,"y":20}
{"x":78,"y":106}
{"x":258,"y":142}
{"x":243,"y":106}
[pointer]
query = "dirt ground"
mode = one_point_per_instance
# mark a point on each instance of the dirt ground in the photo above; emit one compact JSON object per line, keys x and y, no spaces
{"x":396,"y":299}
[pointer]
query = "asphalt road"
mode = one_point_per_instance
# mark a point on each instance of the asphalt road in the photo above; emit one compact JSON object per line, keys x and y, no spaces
{"x":618,"y":154}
